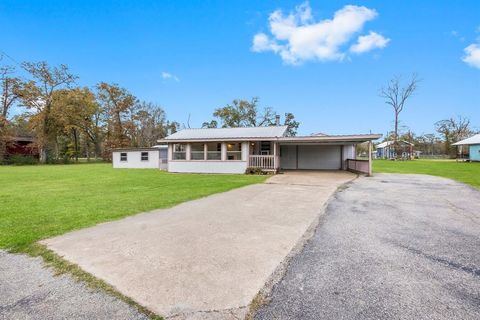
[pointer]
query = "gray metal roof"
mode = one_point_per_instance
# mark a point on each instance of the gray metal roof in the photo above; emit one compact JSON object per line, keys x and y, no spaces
{"x":472,"y":140}
{"x":228,"y":133}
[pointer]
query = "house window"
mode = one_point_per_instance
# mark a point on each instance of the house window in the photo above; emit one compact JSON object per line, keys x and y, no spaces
{"x":265,"y":147}
{"x":197,"y":151}
{"x":179,"y":151}
{"x":214,"y":151}
{"x":234,"y":151}
{"x":144,"y":156}
{"x":123,"y":156}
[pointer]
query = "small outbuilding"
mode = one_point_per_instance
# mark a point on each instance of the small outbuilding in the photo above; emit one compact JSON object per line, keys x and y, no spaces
{"x":473,"y":145}
{"x":141,"y":158}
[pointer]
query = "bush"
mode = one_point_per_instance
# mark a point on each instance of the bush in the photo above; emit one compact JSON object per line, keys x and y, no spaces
{"x":257,"y":171}
{"x":20,"y":160}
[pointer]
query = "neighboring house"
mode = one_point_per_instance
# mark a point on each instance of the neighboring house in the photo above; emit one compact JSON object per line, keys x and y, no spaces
{"x":233,"y":150}
{"x":473,"y":145}
{"x":386,"y":149}
{"x":21,"y":146}
{"x":141,"y":158}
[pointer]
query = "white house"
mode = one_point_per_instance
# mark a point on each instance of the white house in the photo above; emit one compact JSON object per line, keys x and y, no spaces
{"x":473,"y":145}
{"x":233,"y":150}
{"x":141,"y":158}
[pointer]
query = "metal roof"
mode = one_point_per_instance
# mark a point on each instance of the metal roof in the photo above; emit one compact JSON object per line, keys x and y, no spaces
{"x":389,"y":143}
{"x":227,"y":133}
{"x":472,"y":140}
{"x":331,"y":138}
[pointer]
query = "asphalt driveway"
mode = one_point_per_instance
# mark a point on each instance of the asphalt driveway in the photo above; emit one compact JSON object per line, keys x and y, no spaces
{"x":206,"y":258}
{"x":388,"y":247}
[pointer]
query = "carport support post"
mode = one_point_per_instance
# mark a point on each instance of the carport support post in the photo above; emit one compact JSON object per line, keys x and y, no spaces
{"x":369,"y":158}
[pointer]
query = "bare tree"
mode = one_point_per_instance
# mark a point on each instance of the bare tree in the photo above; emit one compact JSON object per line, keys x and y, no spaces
{"x":396,"y":95}
{"x":453,"y":130}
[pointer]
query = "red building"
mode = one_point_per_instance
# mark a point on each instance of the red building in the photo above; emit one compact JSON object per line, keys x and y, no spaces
{"x":21,"y":146}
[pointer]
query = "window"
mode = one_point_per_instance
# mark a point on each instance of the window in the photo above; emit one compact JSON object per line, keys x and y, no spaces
{"x":179,"y":151}
{"x":214,"y":151}
{"x":234,"y":151}
{"x":123,"y":156}
{"x":144,"y":156}
{"x":265,"y":147}
{"x":197,"y":151}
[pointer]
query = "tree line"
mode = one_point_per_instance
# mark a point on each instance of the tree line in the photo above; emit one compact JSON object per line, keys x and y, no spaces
{"x":68,"y":121}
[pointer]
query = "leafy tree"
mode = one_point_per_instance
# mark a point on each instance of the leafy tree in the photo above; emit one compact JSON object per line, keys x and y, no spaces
{"x":291,"y":123}
{"x":150,"y":124}
{"x":244,"y":113}
{"x":117,"y":103}
{"x":9,"y":95}
{"x":38,"y":94}
{"x":74,"y":111}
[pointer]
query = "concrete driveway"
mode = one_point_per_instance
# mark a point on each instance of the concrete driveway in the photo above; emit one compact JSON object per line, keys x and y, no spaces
{"x":206,"y":258}
{"x":388,"y":247}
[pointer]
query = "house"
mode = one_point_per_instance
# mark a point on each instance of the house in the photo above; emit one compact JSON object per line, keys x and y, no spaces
{"x":233,"y":150}
{"x":141,"y":158}
{"x":473,"y":145}
{"x":386,"y":150}
{"x":21,"y":146}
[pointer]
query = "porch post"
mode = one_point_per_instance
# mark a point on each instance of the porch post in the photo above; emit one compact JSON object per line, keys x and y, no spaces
{"x":224,"y":151}
{"x":274,"y":155}
{"x":205,"y":151}
{"x":369,"y":158}
{"x":188,"y":152}
{"x":170,"y":152}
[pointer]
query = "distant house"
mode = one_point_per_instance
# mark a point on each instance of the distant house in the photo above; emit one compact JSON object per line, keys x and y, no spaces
{"x":473,"y":145}
{"x":21,"y":146}
{"x":386,"y":150}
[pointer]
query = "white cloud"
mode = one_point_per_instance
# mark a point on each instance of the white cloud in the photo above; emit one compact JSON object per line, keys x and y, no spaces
{"x":167,"y":76}
{"x":297,"y":38}
{"x":472,"y":55}
{"x":369,"y":42}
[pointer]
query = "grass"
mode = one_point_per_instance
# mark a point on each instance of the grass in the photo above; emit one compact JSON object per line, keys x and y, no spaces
{"x":38,"y":202}
{"x":466,"y":172}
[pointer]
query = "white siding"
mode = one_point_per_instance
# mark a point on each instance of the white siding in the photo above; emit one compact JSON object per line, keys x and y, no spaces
{"x":134,"y":160}
{"x":208,"y":166}
{"x":348,"y":153}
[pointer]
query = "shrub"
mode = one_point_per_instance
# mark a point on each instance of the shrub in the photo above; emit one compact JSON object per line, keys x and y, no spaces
{"x":20,"y":160}
{"x":257,"y":171}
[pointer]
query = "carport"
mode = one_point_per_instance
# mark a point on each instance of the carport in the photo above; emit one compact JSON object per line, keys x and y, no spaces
{"x":322,"y":152}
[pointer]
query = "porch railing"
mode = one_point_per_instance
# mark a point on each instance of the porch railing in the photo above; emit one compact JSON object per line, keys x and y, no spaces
{"x":358,"y":165}
{"x":266,"y":162}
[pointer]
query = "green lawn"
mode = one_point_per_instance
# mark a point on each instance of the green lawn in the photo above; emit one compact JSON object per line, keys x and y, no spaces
{"x":38,"y":202}
{"x":466,"y":172}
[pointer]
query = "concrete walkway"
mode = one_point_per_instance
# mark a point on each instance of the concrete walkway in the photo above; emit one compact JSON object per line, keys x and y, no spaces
{"x":208,"y":258}
{"x":388,"y":247}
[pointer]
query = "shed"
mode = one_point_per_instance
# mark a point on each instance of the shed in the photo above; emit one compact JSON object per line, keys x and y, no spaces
{"x":141,"y":158}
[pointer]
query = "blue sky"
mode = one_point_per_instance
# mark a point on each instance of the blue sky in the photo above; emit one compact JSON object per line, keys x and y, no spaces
{"x":207,"y":48}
